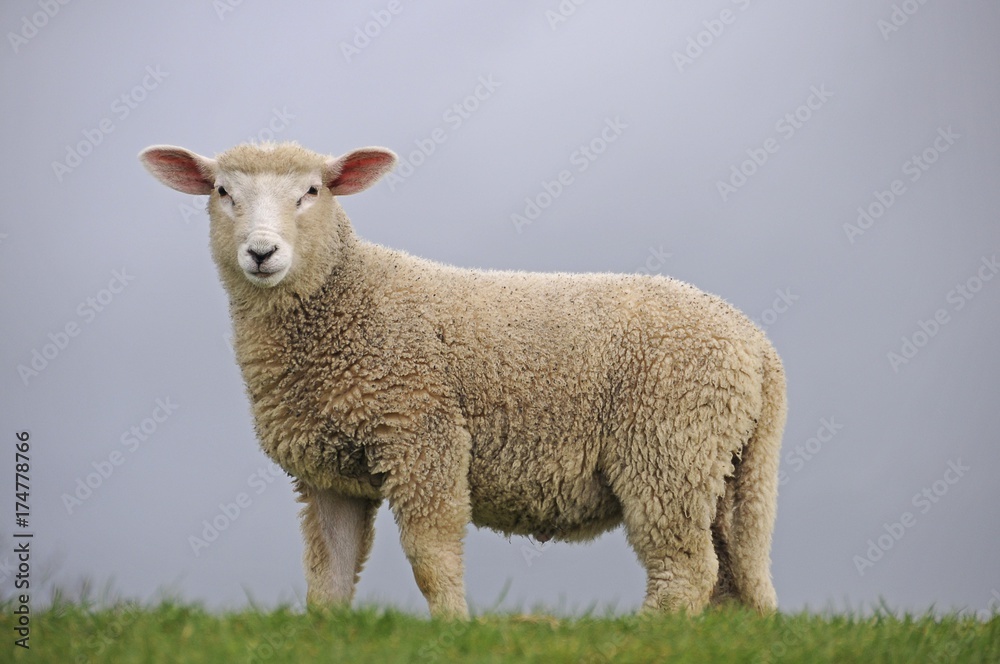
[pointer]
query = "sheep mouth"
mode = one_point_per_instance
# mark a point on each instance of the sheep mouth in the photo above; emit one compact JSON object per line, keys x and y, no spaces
{"x":265,"y":277}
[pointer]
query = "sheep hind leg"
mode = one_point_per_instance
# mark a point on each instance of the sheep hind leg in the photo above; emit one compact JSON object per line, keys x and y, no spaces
{"x":675,"y":546}
{"x":680,"y":576}
{"x":725,"y":588}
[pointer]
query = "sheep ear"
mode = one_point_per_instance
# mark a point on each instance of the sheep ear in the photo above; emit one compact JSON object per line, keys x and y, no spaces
{"x":180,"y":169}
{"x":357,"y":170}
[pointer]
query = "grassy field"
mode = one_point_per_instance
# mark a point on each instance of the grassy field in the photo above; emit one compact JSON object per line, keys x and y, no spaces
{"x":178,"y":633}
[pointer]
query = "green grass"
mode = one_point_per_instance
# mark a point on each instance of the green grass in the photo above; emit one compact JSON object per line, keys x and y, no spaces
{"x":183,"y":633}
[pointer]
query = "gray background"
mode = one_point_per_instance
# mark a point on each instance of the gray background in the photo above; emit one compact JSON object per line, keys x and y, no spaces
{"x":228,"y":72}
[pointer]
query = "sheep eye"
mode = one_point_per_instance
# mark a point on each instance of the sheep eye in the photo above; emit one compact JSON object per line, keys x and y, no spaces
{"x":312,"y":191}
{"x":223,"y":192}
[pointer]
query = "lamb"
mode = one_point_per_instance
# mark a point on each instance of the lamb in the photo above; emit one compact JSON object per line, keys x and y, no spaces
{"x":553,"y":405}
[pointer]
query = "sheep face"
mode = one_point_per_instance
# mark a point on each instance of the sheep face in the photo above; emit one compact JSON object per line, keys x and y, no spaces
{"x":272,"y":206}
{"x":256,"y":218}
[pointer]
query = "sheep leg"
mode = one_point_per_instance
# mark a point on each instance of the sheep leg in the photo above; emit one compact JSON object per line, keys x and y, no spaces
{"x":429,"y":496}
{"x":668,"y":522}
{"x":680,"y":573}
{"x":725,"y":586}
{"x":338,"y":532}
{"x":435,"y":554}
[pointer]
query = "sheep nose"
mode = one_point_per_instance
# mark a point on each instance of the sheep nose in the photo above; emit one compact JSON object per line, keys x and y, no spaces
{"x":261,"y":257}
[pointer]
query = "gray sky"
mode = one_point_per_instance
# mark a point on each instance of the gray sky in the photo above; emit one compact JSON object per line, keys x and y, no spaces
{"x":740,"y":139}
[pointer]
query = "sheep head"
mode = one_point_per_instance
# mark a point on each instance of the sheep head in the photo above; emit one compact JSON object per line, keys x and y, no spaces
{"x":272,"y":206}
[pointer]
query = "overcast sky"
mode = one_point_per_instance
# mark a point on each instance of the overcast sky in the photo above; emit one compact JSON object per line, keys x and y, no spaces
{"x":829,"y":168}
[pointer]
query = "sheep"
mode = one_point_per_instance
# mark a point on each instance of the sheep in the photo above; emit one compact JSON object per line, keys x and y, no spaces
{"x":552,"y":405}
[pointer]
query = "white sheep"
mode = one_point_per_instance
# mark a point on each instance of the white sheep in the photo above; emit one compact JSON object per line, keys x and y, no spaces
{"x":553,"y":405}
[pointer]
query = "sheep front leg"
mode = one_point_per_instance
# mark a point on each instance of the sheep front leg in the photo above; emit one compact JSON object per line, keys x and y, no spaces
{"x":429,"y":496}
{"x":432,"y":541}
{"x":338,"y":532}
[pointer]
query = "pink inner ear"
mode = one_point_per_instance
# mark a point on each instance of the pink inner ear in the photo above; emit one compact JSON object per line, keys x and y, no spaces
{"x":184,"y":171}
{"x":358,"y":173}
{"x":178,"y":170}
